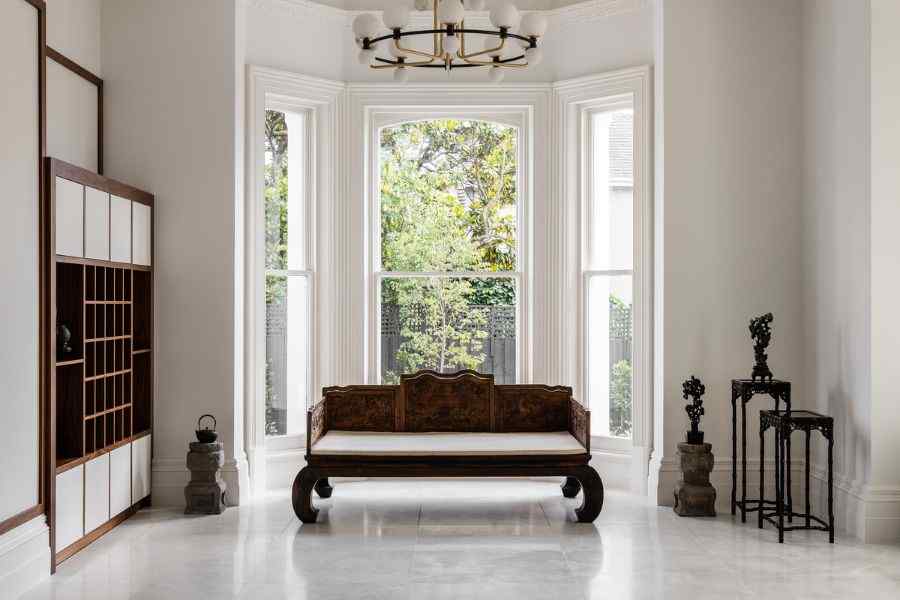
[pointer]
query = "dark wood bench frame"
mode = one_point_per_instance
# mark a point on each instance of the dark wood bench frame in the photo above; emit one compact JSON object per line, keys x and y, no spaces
{"x":464,"y":401}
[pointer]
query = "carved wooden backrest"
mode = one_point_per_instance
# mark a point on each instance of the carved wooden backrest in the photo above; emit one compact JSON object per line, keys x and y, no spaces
{"x":461,"y":401}
{"x":362,"y":408}
{"x":464,"y":401}
{"x":532,"y":407}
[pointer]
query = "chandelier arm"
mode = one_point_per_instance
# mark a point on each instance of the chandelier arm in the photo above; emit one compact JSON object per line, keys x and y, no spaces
{"x":499,"y":34}
{"x":483,"y":52}
{"x":433,"y":57}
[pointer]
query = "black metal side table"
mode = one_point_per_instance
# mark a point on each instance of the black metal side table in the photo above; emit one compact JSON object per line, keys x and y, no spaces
{"x":785,"y":423}
{"x":745,"y":390}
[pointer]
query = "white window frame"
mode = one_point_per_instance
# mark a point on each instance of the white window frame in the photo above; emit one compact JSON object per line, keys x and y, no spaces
{"x":517,"y":119}
{"x":576,"y":101}
{"x":321,"y":101}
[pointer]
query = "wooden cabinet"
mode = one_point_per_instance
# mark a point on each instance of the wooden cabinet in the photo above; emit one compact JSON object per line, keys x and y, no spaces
{"x":96,"y":224}
{"x":140,"y":468}
{"x":119,"y":229}
{"x":69,"y":218}
{"x":96,"y":492}
{"x":69,"y":507}
{"x":101,"y":403}
{"x":142,"y":234}
{"x":119,"y":480}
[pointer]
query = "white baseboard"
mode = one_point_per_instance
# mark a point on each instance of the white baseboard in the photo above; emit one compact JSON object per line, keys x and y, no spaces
{"x":24,"y":558}
{"x":170,"y":476}
{"x":869,"y":513}
{"x":669,"y":472}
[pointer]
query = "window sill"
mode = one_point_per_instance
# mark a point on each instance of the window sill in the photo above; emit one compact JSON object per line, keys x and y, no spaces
{"x":292,"y":441}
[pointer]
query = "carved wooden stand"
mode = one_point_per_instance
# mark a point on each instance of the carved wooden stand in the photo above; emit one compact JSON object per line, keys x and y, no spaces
{"x":694,"y":494}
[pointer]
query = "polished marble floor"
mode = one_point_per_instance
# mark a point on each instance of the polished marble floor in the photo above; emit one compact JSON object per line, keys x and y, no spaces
{"x":491,"y":539}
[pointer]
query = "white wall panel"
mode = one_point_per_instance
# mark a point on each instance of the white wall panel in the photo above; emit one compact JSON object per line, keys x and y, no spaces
{"x":119,"y":229}
{"x":69,"y":217}
{"x":96,"y":224}
{"x":69,"y":507}
{"x":19,"y":151}
{"x":140,"y":468}
{"x":119,"y":479}
{"x":142,"y":220}
{"x":96,"y":492}
{"x":71,"y":117}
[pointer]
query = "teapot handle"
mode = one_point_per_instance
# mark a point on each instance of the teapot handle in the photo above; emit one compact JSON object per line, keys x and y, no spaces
{"x":203,"y":417}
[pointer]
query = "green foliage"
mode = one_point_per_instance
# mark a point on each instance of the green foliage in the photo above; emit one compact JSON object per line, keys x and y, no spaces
{"x":276,"y":190}
{"x":620,"y":399}
{"x":448,"y":203}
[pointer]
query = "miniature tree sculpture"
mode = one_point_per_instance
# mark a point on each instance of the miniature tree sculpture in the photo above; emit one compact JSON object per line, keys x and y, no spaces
{"x":761,"y":334}
{"x":693,"y":388}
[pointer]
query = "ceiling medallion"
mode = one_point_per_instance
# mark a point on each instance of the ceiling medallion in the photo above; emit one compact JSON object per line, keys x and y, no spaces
{"x":449,"y":37}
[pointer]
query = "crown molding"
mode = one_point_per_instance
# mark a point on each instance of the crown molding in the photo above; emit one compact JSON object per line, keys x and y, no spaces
{"x":585,"y":11}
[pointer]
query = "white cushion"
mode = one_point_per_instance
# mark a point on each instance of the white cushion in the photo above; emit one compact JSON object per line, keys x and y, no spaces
{"x":434,"y":444}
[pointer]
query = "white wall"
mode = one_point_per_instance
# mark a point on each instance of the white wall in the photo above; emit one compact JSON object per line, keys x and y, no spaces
{"x":836,"y":236}
{"x":170,"y":84}
{"x":73,"y":28}
{"x":883,"y":516}
{"x":730,"y":193}
{"x":318,"y":41}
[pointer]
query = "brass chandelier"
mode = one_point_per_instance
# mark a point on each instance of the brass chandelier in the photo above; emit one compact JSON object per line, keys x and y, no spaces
{"x":502,"y":49}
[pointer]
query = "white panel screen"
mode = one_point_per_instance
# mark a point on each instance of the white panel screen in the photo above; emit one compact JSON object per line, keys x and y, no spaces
{"x":69,"y":217}
{"x":19,"y":149}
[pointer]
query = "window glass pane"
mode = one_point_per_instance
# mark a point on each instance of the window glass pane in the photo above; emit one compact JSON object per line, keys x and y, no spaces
{"x":448,"y":324}
{"x":448,"y":196}
{"x":608,"y":364}
{"x":611,"y":218}
{"x":276,"y":191}
{"x":285,"y":186}
{"x":287,"y":353}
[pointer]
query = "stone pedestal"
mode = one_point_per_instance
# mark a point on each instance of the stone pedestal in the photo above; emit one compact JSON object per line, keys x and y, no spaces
{"x":694,"y":495}
{"x":205,"y":494}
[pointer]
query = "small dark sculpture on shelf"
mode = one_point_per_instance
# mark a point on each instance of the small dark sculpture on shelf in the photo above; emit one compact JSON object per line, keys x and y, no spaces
{"x":761,"y":334}
{"x":63,"y":337}
{"x":693,"y":388}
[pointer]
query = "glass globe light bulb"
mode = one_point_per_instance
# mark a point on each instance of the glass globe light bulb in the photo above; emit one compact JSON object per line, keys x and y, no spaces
{"x":396,"y":17}
{"x":451,"y":44}
{"x":365,"y":57}
{"x":504,"y":15}
{"x":451,"y":11}
{"x":533,"y":25}
{"x":534,"y":56}
{"x":496,"y":74}
{"x":365,"y":26}
{"x":475,"y":4}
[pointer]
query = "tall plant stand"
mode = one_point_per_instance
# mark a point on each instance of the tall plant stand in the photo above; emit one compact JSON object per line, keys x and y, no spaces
{"x":745,"y":390}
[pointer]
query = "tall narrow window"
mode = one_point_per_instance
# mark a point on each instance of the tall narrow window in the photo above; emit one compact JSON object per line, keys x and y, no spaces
{"x":449,"y":277}
{"x":608,"y":268}
{"x":287,"y":288}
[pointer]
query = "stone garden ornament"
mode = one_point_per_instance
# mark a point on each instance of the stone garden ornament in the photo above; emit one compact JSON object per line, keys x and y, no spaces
{"x":694,"y":494}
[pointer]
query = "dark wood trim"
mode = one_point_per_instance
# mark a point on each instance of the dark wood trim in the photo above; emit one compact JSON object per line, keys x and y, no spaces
{"x":64,"y":61}
{"x":21,"y":518}
{"x":89,"y":178}
{"x":64,"y":466}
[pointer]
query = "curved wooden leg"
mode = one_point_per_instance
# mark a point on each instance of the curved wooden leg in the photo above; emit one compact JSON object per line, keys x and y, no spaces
{"x":301,"y":495}
{"x":323,"y":488}
{"x":570,"y":487}
{"x":593,"y":494}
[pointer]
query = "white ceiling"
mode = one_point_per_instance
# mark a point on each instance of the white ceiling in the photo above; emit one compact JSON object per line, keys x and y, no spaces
{"x":381,"y":4}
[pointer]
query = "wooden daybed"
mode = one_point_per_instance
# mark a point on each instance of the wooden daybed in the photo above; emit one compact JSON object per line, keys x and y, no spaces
{"x":448,"y":425}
